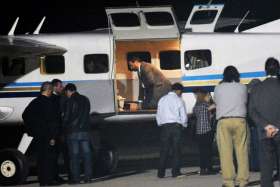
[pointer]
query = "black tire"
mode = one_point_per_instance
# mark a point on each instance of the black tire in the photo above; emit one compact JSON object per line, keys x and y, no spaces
{"x":13,"y":167}
{"x":107,"y":160}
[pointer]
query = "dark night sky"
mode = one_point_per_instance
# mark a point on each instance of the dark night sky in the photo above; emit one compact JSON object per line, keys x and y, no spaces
{"x":81,"y":15}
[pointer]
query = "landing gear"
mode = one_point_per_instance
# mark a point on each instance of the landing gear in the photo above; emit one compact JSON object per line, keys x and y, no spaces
{"x":13,"y":167}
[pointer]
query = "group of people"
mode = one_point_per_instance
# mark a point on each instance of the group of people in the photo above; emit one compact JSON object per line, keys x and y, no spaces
{"x":59,"y":121}
{"x":230,"y":109}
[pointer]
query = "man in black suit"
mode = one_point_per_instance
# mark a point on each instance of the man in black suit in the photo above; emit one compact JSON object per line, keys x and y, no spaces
{"x":264,"y":110}
{"x":152,"y":80}
{"x":42,"y":124}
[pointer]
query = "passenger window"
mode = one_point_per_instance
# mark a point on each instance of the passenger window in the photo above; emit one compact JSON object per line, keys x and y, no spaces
{"x":143,"y":55}
{"x":196,"y":59}
{"x":15,"y":67}
{"x":96,"y":63}
{"x":159,"y":18}
{"x":53,"y":64}
{"x":170,"y":60}
{"x":204,"y":17}
{"x":125,"y":20}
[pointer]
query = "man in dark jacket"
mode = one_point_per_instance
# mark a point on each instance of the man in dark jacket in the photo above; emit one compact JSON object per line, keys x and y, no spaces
{"x":41,"y":123}
{"x":58,"y":99}
{"x":76,"y":125}
{"x":152,"y":80}
{"x":264,"y":110}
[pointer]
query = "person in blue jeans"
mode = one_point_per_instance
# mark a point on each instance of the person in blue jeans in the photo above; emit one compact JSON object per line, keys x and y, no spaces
{"x":76,"y":125}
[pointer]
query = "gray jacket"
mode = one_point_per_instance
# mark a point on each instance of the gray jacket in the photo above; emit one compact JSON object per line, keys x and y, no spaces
{"x":264,"y":104}
{"x":155,"y":83}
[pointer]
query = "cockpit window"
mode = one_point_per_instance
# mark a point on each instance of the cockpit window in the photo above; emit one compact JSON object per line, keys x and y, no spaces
{"x":170,"y":60}
{"x":96,"y":63}
{"x":159,"y":18}
{"x":196,"y":59}
{"x":52,"y":64}
{"x":204,"y":17}
{"x":125,"y":20}
{"x":14,"y":67}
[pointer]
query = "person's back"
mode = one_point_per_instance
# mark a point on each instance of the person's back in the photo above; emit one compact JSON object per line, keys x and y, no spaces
{"x":171,"y":117}
{"x":230,"y":99}
{"x":268,"y":107}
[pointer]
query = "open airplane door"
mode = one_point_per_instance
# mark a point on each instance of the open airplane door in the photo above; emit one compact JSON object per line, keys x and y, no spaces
{"x":143,"y":23}
{"x":203,"y":18}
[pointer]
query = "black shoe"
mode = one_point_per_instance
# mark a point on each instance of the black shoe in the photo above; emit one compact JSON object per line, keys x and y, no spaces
{"x":60,"y":180}
{"x":207,"y":172}
{"x":53,"y":183}
{"x":88,"y":180}
{"x":161,"y":174}
{"x":178,"y":175}
{"x":74,"y":182}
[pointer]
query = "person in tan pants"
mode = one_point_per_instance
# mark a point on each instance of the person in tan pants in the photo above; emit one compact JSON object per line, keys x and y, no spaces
{"x":232,"y":134}
{"x":230,"y":97}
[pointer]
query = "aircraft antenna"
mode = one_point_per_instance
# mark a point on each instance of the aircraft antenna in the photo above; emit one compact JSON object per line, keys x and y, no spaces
{"x":137,"y":4}
{"x":12,"y":31}
{"x":237,"y":28}
{"x":209,"y":3}
{"x":37,"y":30}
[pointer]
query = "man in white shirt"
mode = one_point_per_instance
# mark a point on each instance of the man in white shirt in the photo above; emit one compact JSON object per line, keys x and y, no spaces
{"x":171,"y":117}
{"x":232,"y":133}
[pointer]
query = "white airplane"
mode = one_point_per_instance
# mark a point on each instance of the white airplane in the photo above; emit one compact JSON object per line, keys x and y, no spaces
{"x":97,"y":63}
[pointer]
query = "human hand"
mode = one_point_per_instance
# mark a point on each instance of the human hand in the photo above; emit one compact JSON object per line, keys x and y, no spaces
{"x":212,"y":107}
{"x":271,"y":131}
{"x":52,"y":142}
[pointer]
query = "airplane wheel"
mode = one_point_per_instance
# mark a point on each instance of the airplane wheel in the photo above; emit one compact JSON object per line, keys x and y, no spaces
{"x":108,"y":159}
{"x":13,"y":167}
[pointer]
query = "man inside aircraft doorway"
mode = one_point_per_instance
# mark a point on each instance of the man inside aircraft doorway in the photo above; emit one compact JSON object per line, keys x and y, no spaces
{"x":154,"y":83}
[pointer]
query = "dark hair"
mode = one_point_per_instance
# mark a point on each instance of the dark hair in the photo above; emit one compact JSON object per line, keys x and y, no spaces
{"x":231,"y":74}
{"x":177,"y":86}
{"x":272,"y":66}
{"x":45,"y":86}
{"x":70,"y":87}
{"x":134,"y":58}
{"x":55,"y":82}
{"x":199,"y":90}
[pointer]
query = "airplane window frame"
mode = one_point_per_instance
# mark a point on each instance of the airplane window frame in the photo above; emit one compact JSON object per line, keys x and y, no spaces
{"x":48,"y":69}
{"x":207,"y":57}
{"x":170,"y":66}
{"x":202,"y":21}
{"x":153,"y":21}
{"x":94,"y":56}
{"x":124,"y":18}
{"x":8,"y":66}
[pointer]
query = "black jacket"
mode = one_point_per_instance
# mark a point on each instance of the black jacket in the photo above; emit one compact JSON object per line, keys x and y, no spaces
{"x":264,"y":104}
{"x":76,"y":117}
{"x":40,"y":118}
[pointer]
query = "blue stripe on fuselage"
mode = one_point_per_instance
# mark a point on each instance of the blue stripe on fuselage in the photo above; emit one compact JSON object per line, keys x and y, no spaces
{"x":256,"y":74}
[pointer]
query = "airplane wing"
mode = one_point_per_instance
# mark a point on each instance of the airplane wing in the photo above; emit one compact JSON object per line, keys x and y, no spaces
{"x":14,"y":46}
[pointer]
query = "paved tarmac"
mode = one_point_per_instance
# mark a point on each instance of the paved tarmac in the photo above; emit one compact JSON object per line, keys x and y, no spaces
{"x":147,"y":178}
